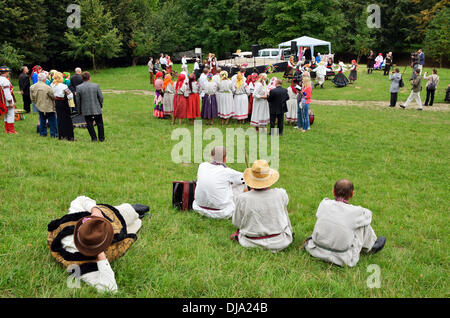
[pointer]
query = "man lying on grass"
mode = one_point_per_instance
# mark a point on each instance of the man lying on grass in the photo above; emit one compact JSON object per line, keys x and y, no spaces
{"x":342,"y":230}
{"x":261,"y":214}
{"x":91,"y":235}
{"x":217,"y":186}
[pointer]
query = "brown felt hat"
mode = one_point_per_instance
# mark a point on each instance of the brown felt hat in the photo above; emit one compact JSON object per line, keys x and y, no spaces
{"x":93,"y":235}
{"x":260,"y":176}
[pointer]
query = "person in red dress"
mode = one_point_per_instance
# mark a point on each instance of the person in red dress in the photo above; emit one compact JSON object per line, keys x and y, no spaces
{"x":251,"y":80}
{"x":180,"y":101}
{"x":193,"y":109}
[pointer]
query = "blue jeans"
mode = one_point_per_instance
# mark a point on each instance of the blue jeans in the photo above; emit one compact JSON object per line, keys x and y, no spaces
{"x":299,"y":115}
{"x":51,"y":117}
{"x":305,"y":116}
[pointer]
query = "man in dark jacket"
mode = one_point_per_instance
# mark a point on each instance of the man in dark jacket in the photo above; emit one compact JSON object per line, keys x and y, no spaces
{"x":90,"y":100}
{"x":277,"y":104}
{"x":24,"y":85}
{"x":76,"y":80}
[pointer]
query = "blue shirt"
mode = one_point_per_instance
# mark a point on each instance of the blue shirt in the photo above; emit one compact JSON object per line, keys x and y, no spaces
{"x":422,"y":58}
{"x":318,"y":59}
{"x":34,"y":78}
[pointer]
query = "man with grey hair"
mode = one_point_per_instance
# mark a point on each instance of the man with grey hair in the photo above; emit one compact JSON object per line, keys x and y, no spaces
{"x":217,"y":186}
{"x":75,"y":80}
{"x":43,"y":97}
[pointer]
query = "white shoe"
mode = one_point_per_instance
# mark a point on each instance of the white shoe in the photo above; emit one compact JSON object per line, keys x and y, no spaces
{"x":295,"y":127}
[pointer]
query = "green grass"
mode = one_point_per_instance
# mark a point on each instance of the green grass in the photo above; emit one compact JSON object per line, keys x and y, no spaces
{"x":398,"y":161}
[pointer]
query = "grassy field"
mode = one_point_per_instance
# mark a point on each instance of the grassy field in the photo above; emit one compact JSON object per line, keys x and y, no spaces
{"x":398,"y":161}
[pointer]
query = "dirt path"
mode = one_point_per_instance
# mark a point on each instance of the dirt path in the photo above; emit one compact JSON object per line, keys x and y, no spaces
{"x":374,"y":104}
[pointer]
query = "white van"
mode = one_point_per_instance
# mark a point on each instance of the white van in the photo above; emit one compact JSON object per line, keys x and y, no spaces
{"x":278,"y":54}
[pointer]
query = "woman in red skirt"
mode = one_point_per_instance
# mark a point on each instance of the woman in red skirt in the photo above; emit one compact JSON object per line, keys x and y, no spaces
{"x":251,"y":80}
{"x":180,"y":101}
{"x":193,"y":110}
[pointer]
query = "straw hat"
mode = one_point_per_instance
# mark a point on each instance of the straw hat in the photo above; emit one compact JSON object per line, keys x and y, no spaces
{"x":93,"y":235}
{"x":260,"y":176}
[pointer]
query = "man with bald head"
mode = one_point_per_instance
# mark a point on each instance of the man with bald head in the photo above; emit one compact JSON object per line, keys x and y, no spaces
{"x":75,"y":80}
{"x":343,"y":230}
{"x":217,"y":186}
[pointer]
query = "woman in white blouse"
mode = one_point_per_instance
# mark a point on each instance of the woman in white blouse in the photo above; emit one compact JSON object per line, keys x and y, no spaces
{"x":63,"y":112}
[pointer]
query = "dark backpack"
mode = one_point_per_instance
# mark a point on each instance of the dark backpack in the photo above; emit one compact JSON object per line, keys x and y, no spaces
{"x":401,"y":84}
{"x":432,"y":85}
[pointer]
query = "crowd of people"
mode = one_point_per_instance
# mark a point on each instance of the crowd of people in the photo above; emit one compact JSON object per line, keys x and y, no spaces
{"x":212,"y":95}
{"x":56,"y":97}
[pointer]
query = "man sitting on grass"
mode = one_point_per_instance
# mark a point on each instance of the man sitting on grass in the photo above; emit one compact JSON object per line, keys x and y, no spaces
{"x":343,"y":230}
{"x":261,"y":214}
{"x":217,"y":186}
{"x":90,"y":236}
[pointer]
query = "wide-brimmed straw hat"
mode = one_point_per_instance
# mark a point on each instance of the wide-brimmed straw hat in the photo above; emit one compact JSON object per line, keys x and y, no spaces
{"x":93,"y":235}
{"x":260,"y":175}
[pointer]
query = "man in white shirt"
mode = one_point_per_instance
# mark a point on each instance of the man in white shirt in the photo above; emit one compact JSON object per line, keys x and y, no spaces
{"x":163,"y":61}
{"x":203,"y":81}
{"x":7,"y":100}
{"x":83,"y":238}
{"x":343,"y":230}
{"x":217,"y":187}
{"x":261,"y":215}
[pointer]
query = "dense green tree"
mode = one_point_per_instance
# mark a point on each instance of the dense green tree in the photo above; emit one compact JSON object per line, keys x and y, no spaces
{"x":24,"y":26}
{"x":437,"y":40}
{"x":97,"y":38}
{"x":10,"y":57}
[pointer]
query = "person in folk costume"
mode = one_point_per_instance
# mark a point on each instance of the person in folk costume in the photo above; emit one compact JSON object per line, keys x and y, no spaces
{"x":63,"y":112}
{"x":150,"y":69}
{"x":272,"y":83}
{"x":379,"y":61}
{"x":370,"y":62}
{"x":321,"y":73}
{"x":7,"y":100}
{"x":242,"y":72}
{"x":50,"y":77}
{"x":91,"y":236}
{"x":209,"y":103}
{"x":251,"y":81}
{"x":216,"y":77}
{"x":158,"y":111}
{"x":340,"y":79}
{"x":66,"y":78}
{"x":290,"y":67}
{"x":203,"y":80}
{"x":184,"y":65}
{"x":353,"y":72}
{"x":261,"y":112}
{"x":169,"y":65}
{"x":213,"y":65}
{"x":306,"y":101}
{"x":225,"y":101}
{"x":291,"y":115}
{"x":169,"y":94}
{"x":193,"y":110}
{"x":180,"y":101}
{"x":388,"y":63}
{"x":241,"y":92}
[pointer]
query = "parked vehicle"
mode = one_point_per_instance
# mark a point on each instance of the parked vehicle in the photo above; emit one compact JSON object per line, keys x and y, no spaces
{"x":278,"y":54}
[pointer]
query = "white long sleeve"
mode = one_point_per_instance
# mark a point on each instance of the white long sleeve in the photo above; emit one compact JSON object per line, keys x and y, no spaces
{"x":103,"y":280}
{"x":82,"y":204}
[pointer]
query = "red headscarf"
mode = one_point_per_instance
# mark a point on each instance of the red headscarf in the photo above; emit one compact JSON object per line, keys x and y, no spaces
{"x":294,"y":90}
{"x":180,"y":81}
{"x":252,"y":78}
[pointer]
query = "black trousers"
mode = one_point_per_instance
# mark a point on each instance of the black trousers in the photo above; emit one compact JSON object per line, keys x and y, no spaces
{"x":280,"y":119}
{"x":430,"y":93}
{"x":394,"y":99}
{"x":387,"y":68}
{"x":90,"y":126}
{"x":26,"y":103}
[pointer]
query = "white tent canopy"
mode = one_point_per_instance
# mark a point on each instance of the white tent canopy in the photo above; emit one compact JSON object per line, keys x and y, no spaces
{"x":307,"y":41}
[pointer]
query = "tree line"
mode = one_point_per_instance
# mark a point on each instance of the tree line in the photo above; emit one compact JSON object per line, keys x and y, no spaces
{"x":36,"y":31}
